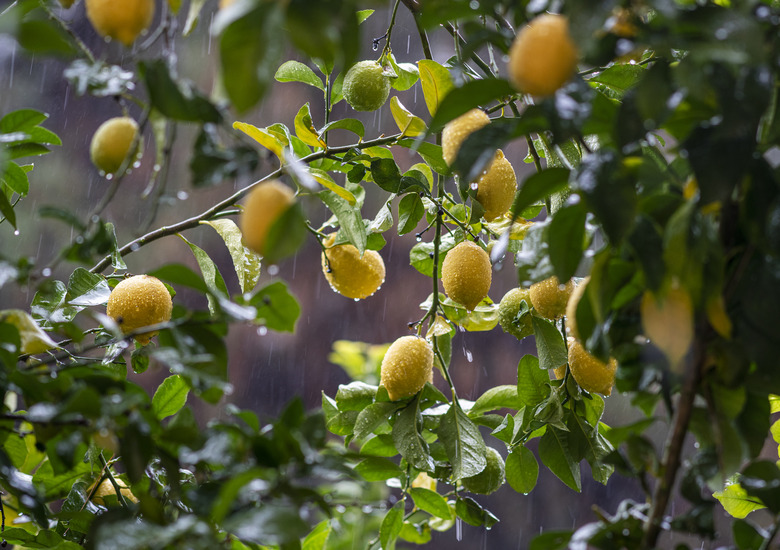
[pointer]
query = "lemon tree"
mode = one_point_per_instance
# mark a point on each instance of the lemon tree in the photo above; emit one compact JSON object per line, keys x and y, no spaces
{"x":613,"y":168}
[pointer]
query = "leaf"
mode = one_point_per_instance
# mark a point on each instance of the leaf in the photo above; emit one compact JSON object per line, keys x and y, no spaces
{"x":391,"y":525}
{"x":496,"y":398}
{"x":551,"y":540}
{"x":193,"y":15}
{"x":550,"y":346}
{"x":463,"y":443}
{"x":351,"y":124}
{"x":555,"y":454}
{"x":304,"y":128}
{"x":533,"y":383}
{"x":614,"y":81}
{"x":373,"y":416}
{"x":32,"y":339}
{"x":538,"y":186}
{"x":277,"y":309}
{"x":21,"y":120}
{"x":409,"y":124}
{"x":246,"y":262}
{"x":15,"y":177}
{"x":522,"y":470}
{"x":295,"y":71}
{"x":410,"y":212}
{"x":170,"y":396}
{"x":386,"y":174}
{"x":408,"y":440}
{"x":378,"y":469}
{"x":566,"y":235}
{"x":269,"y":140}
{"x":436,"y":83}
{"x":211,"y":275}
{"x":736,"y":501}
{"x":327,"y":182}
{"x":318,"y":538}
{"x":7,"y":210}
{"x":472,"y":513}
{"x":469,"y":96}
{"x":349,"y":218}
{"x":431,"y":502}
{"x":87,"y":289}
{"x":176,"y":99}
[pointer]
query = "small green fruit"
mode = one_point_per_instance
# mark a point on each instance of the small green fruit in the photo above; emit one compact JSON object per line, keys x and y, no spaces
{"x":366,"y":87}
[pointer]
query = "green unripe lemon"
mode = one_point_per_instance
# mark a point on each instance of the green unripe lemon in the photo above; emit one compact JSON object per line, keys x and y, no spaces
{"x":490,"y":479}
{"x":366,"y":87}
{"x":508,"y":309}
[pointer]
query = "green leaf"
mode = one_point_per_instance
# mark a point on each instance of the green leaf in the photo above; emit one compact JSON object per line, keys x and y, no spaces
{"x":295,"y":71}
{"x":304,"y":128}
{"x":170,"y":396}
{"x":533,"y":383}
{"x":286,"y":234}
{"x":328,"y":183}
{"x":410,"y":211}
{"x":550,"y":346}
{"x":551,"y":540}
{"x":373,"y":416}
{"x":736,"y":501}
{"x":496,"y":398}
{"x":522,"y":470}
{"x":391,"y":525}
{"x":21,"y":120}
{"x":15,"y":177}
{"x":378,"y":469}
{"x":408,"y":440}
{"x":436,"y":83}
{"x":355,"y":396}
{"x":409,"y":124}
{"x":472,"y":513}
{"x":554,"y":453}
{"x":211,"y":275}
{"x":407,"y":74}
{"x":7,"y":210}
{"x":616,"y":80}
{"x":246,"y":262}
{"x":176,"y":99}
{"x":538,"y":186}
{"x":318,"y":538}
{"x":350,"y":124}
{"x":566,"y":235}
{"x":463,"y":443}
{"x":386,"y":174}
{"x":270,"y":140}
{"x":277,"y":309}
{"x":469,"y":96}
{"x":179,"y":274}
{"x":431,"y":502}
{"x":87,"y":289}
{"x":349,"y":218}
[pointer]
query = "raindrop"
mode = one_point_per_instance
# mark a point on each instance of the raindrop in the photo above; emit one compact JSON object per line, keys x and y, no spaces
{"x":16,"y":232}
{"x":356,"y":299}
{"x":262,"y":331}
{"x":109,"y":177}
{"x":418,"y":237}
{"x":721,"y":34}
{"x":182,"y":195}
{"x":135,"y":246}
{"x":461,"y":329}
{"x":475,"y":186}
{"x":46,"y":272}
{"x":469,"y":357}
{"x":474,"y":4}
{"x":137,"y":164}
{"x":157,"y":167}
{"x":458,"y":530}
{"x":273,"y":269}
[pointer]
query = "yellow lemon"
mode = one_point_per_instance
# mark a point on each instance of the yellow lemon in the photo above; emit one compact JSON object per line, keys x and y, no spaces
{"x":543,"y":56}
{"x":406,"y":367}
{"x":106,"y":488}
{"x":559,"y":372}
{"x":351,"y":274}
{"x":466,"y":274}
{"x":457,"y":130}
{"x":592,"y":375}
{"x":140,"y":301}
{"x":667,"y":320}
{"x":549,"y":297}
{"x":496,"y":188}
{"x":508,"y":309}
{"x":120,"y":19}
{"x":366,"y":86}
{"x":111,"y":143}
{"x":490,"y":479}
{"x":264,"y":205}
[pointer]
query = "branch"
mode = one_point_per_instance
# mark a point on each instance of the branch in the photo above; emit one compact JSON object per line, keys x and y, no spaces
{"x":194,"y":221}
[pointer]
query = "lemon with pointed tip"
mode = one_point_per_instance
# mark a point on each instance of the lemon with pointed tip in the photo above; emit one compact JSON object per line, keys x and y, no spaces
{"x":123,"y":20}
{"x":508,"y":309}
{"x":106,"y":488}
{"x":366,"y":86}
{"x":457,"y":130}
{"x":667,"y":320}
{"x":140,"y":301}
{"x":111,"y":143}
{"x":592,"y":375}
{"x":466,"y":274}
{"x":549,"y":297}
{"x":264,"y":205}
{"x":349,"y":273}
{"x":496,"y":187}
{"x":543,"y":56}
{"x":406,"y":367}
{"x":491,"y":478}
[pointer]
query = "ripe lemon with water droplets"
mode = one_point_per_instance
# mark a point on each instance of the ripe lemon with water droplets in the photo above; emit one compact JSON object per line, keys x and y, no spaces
{"x":349,"y":273}
{"x":140,"y":301}
{"x":111,"y":143}
{"x":466,"y":274}
{"x":549,"y":297}
{"x":406,"y":367}
{"x":457,"y":130}
{"x":592,"y":375}
{"x":496,"y":188}
{"x":123,"y":20}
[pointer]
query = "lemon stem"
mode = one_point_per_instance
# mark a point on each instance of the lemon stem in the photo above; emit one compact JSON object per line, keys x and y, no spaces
{"x":119,"y":496}
{"x":387,"y":49}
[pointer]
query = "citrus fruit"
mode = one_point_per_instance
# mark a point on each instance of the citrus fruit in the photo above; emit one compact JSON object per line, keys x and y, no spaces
{"x":366,"y":86}
{"x":106,"y":488}
{"x":424,"y":481}
{"x":543,"y":56}
{"x":508,"y":309}
{"x":264,"y":205}
{"x":490,"y":479}
{"x":667,"y":320}
{"x":466,"y":274}
{"x":140,"y":301}
{"x":457,"y":130}
{"x":123,"y":20}
{"x":111,"y":143}
{"x":592,"y":375}
{"x":571,"y":308}
{"x":349,"y":273}
{"x":406,"y":367}
{"x":549,"y":297}
{"x":496,"y":188}
{"x":559,"y":372}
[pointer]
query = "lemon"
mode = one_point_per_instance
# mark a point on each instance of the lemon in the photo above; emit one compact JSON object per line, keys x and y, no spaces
{"x":111,"y":143}
{"x":123,"y":20}
{"x":366,"y":87}
{"x":496,"y":188}
{"x":490,"y":479}
{"x":667,"y":320}
{"x":406,"y":367}
{"x":508,"y":309}
{"x":543,"y":56}
{"x":571,"y":308}
{"x":351,"y":274}
{"x":457,"y":130}
{"x":140,"y":301}
{"x":592,"y":375}
{"x":549,"y":297}
{"x":424,"y":481}
{"x":559,"y":372}
{"x":466,"y":274}
{"x":106,"y":488}
{"x":265,"y":204}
